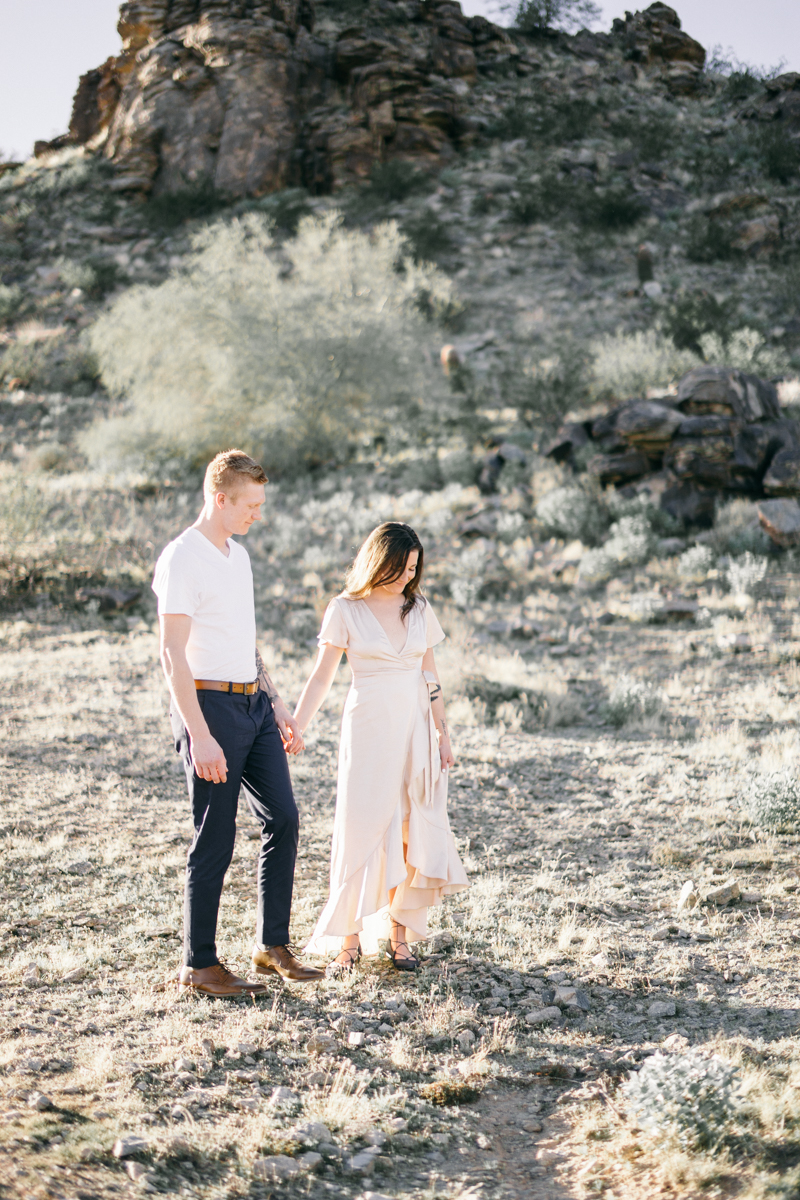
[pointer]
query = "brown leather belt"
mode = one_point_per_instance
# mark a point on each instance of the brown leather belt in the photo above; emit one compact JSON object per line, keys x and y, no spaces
{"x":218,"y":685}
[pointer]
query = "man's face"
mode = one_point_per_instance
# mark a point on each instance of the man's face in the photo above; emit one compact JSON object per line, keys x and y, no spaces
{"x":242,"y":508}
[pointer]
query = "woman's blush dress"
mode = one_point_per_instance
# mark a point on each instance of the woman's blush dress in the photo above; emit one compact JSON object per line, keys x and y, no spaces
{"x":391,"y":786}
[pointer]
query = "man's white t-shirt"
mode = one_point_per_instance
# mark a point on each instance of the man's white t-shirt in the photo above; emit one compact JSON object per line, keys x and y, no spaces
{"x":193,"y":577}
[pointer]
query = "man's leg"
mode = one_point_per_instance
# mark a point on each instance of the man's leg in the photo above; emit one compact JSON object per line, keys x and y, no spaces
{"x":268,"y":790}
{"x":214,"y":807}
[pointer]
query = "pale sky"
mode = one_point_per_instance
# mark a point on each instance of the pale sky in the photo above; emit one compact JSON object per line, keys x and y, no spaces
{"x":47,"y":44}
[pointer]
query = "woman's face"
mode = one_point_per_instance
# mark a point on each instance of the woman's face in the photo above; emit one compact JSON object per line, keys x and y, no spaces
{"x":410,"y":570}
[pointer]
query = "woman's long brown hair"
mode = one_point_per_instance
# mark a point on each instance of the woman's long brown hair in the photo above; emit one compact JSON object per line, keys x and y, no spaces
{"x":382,"y":559}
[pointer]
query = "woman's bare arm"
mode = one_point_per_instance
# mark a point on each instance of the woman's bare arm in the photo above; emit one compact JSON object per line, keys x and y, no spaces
{"x":437,"y":708}
{"x":318,"y":685}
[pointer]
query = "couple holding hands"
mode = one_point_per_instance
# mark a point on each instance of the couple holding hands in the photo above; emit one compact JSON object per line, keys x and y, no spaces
{"x":393,"y":854}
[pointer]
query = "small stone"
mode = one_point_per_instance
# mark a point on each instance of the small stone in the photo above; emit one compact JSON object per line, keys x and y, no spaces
{"x":548,"y":1156}
{"x":384,"y":1029}
{"x":572,"y":997}
{"x":126,"y":1147}
{"x":207,"y":1046}
{"x":751,"y":897}
{"x":601,"y":961}
{"x":276,"y":1167}
{"x":363,"y":1162}
{"x":246,"y":1104}
{"x":356,"y":1039}
{"x":652,"y":289}
{"x":532,"y":1126}
{"x":543,"y":1016}
{"x":100,"y":1115}
{"x":465,"y":1039}
{"x":76,"y":975}
{"x":247,"y":1048}
{"x":675,"y":1041}
{"x":310,"y":1160}
{"x":135,"y":1170}
{"x":723,"y":895}
{"x":282,"y":1095}
{"x":440,"y":941}
{"x":662,"y":1008}
{"x":780,"y":519}
{"x":322,"y":1044}
{"x":688,"y":897}
{"x":185,"y":1064}
{"x":311,"y":1133}
{"x":483,"y":1142}
{"x":39,"y":1101}
{"x":32,"y":975}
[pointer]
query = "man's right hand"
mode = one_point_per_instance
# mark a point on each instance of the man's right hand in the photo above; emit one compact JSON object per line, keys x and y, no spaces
{"x":208,"y":760}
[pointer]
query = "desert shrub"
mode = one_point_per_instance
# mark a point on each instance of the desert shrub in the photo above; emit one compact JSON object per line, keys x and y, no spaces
{"x":286,"y":209}
{"x":554,"y":195}
{"x":688,"y":1097}
{"x":695,"y":313}
{"x":297,"y":367}
{"x":710,"y":239}
{"x":652,"y":135}
{"x":531,"y":16}
{"x":745,"y":574}
{"x":747,"y":350}
{"x":613,"y":208}
{"x":740,"y":84}
{"x":772,"y":799}
{"x":427,"y":234}
{"x":627,"y":364}
{"x":737,"y":529}
{"x":544,"y":389}
{"x":468,"y":574}
{"x":630,"y":540}
{"x":641,"y":506}
{"x":696,"y":562}
{"x":192,"y":202}
{"x":569,"y":512}
{"x":633,"y":700}
{"x":397,"y":180}
{"x":778,"y":153}
{"x":11,"y":298}
{"x":51,"y":366}
{"x":459,"y":467}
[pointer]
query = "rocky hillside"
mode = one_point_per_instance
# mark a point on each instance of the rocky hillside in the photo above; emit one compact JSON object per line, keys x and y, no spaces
{"x":572,"y":186}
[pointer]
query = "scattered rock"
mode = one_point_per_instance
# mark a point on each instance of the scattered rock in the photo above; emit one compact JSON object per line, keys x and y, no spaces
{"x":324,"y":1044}
{"x":75,"y":975}
{"x":723,"y":895}
{"x":543,"y":1016}
{"x":126,"y":1147}
{"x":136,"y":1170}
{"x":282,"y":1095}
{"x":276,"y":1167}
{"x":572,"y":997}
{"x":465,"y":1039}
{"x":440,"y":941}
{"x":110,"y":600}
{"x":310,"y":1160}
{"x":32,"y":975}
{"x":39,"y":1101}
{"x":311,"y":1133}
{"x":356,"y":1039}
{"x":246,"y":1048}
{"x":363,"y":1162}
{"x":781,"y":520}
{"x":662,"y":1008}
{"x":675,"y":1041}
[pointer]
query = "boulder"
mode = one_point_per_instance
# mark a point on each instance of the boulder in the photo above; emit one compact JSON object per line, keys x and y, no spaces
{"x":248,"y":98}
{"x":647,"y":425}
{"x":689,"y":504}
{"x":619,"y":468}
{"x":781,"y":520}
{"x":722,"y":391}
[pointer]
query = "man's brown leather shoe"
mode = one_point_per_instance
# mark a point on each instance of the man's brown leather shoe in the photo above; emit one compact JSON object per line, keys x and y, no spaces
{"x":279,"y":959}
{"x":217,"y":981}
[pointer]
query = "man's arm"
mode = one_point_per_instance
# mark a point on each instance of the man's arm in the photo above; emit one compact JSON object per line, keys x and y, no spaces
{"x":207,"y":756}
{"x":290,"y":731}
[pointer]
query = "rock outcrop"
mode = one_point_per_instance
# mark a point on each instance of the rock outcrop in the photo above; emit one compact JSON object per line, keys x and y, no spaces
{"x":654,"y":38}
{"x":245,"y":96}
{"x":721,"y":432}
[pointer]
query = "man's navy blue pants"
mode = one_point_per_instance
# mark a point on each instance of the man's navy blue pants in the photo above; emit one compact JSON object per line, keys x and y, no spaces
{"x":246,"y":730}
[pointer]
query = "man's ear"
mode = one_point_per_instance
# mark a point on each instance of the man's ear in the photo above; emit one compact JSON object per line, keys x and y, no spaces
{"x":219,"y":499}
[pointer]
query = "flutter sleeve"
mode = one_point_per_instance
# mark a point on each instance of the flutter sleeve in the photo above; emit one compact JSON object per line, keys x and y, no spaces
{"x":435,"y":632}
{"x":334,"y":627}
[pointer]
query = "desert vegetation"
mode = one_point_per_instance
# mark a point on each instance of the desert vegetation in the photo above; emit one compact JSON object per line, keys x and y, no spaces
{"x":611,"y":1008}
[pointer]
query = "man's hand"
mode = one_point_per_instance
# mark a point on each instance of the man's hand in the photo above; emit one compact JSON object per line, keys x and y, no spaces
{"x":290,"y":731}
{"x":208,"y":760}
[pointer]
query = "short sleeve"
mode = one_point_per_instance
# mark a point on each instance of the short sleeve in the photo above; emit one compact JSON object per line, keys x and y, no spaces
{"x":176,"y":585}
{"x":435,"y":632}
{"x":334,"y":627}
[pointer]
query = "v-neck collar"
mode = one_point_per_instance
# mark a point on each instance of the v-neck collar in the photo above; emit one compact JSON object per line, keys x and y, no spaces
{"x":399,"y":653}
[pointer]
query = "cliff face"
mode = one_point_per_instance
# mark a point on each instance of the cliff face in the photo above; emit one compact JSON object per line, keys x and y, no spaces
{"x":249,"y":95}
{"x":246,"y":95}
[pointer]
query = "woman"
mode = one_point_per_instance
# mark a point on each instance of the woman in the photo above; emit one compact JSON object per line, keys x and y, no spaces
{"x":393,"y":854}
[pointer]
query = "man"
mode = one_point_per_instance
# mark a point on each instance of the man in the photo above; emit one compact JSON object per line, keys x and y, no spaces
{"x":230,"y":725}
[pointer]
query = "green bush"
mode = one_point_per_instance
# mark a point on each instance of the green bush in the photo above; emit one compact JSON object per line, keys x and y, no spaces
{"x":772,"y":800}
{"x":51,"y":366}
{"x":555,"y":195}
{"x":397,"y":180}
{"x":11,"y":298}
{"x":532,"y":16}
{"x":745,"y":574}
{"x":428,"y":235}
{"x":694,"y":313}
{"x":627,"y":364}
{"x":653,"y":135}
{"x":633,"y":700}
{"x":286,"y":209}
{"x":544,"y":389}
{"x":740,"y":84}
{"x":709,"y":239}
{"x":569,"y":512}
{"x":778,"y":153}
{"x":296,"y":367}
{"x":192,"y":202}
{"x":690,"y":1097}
